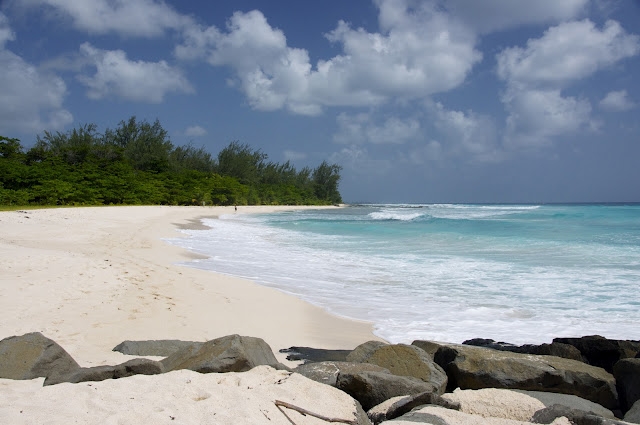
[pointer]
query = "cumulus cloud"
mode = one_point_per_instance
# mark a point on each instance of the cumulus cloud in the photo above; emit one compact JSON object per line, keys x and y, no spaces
{"x":365,"y":128}
{"x":493,"y":15}
{"x":469,"y":134}
{"x":617,"y":101}
{"x":567,"y":52}
{"x":31,"y":101}
{"x":195,"y":131}
{"x":133,"y":80}
{"x":137,"y":18}
{"x":420,"y":50}
{"x":535,"y":76}
{"x":537,"y":116}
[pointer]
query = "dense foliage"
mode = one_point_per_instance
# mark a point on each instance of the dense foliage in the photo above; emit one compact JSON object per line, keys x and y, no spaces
{"x":136,"y":163}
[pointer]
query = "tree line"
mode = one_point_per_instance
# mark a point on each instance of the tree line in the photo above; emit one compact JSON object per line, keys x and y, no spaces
{"x":136,"y":163}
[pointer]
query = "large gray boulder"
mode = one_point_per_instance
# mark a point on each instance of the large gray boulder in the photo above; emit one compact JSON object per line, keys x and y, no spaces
{"x":327,"y":372}
{"x":408,"y":360}
{"x":471,"y":367}
{"x":362,"y":352}
{"x":575,"y":416}
{"x":232,"y":353}
{"x":159,"y":347}
{"x":101,"y":373}
{"x":518,"y":404}
{"x":372,"y":388}
{"x":633,"y":415}
{"x":627,"y":374}
{"x":32,"y":356}
{"x":557,"y":349}
{"x":602,"y":352}
{"x":400,"y":405}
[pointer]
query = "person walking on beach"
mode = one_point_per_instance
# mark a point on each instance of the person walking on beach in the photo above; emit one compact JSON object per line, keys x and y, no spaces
{"x":236,"y":207}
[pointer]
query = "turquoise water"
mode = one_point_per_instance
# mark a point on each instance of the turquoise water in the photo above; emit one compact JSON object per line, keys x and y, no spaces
{"x":515,"y":273}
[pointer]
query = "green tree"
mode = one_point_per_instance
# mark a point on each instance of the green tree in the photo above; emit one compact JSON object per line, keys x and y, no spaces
{"x":325,"y":179}
{"x":242,"y":162}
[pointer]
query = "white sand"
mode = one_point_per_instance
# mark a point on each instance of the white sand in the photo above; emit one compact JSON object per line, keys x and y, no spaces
{"x":176,"y":398}
{"x":90,"y":278}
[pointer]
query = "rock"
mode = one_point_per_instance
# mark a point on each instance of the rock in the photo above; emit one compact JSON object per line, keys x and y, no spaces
{"x":363,"y":351}
{"x":437,"y":415}
{"x":32,"y":356}
{"x":327,"y":372}
{"x":179,"y":397}
{"x":232,"y":353}
{"x":430,"y":347}
{"x":160,"y":348}
{"x":408,"y":360}
{"x":100,"y":373}
{"x":398,"y":406}
{"x":603,"y":352}
{"x":554,"y":349}
{"x":372,"y":388}
{"x":309,"y":355}
{"x":471,"y":367}
{"x":518,"y":404}
{"x":633,"y":415}
{"x":578,"y":417}
{"x":627,"y":374}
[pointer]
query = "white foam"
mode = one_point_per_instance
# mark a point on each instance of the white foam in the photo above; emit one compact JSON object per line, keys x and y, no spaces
{"x":449,"y":296}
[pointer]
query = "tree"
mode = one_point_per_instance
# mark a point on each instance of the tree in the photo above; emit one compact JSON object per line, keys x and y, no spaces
{"x":242,"y":162}
{"x":146,"y":146}
{"x":10,"y":148}
{"x":325,"y":180}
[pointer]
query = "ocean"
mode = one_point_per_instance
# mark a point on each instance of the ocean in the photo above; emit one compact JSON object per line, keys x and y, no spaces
{"x":445,"y":272}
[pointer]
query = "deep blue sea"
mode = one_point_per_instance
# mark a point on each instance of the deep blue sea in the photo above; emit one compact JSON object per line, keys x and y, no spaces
{"x":514,"y":273}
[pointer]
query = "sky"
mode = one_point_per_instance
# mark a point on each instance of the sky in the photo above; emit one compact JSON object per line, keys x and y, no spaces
{"x":420,"y":101}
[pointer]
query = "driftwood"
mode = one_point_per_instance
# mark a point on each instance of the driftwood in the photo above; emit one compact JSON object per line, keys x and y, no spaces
{"x":305,"y":412}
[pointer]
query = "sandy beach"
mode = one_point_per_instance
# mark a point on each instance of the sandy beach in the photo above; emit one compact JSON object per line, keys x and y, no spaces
{"x":90,"y":278}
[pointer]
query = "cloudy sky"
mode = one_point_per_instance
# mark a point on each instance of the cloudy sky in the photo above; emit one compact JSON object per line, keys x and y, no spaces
{"x":418,"y":100}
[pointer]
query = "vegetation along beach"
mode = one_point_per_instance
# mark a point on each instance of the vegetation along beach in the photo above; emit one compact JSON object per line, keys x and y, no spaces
{"x":285,"y":212}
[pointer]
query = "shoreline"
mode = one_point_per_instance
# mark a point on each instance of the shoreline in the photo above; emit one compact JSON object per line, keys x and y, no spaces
{"x":92,"y":277}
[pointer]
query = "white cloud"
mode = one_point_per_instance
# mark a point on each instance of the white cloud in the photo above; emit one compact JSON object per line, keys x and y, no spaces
{"x":195,"y":131}
{"x":467,"y":133}
{"x":617,"y":101}
{"x":139,"y":18}
{"x":364,"y":128}
{"x":536,"y":75}
{"x":493,"y":15}
{"x":537,"y":116}
{"x":567,"y":52}
{"x":419,"y":51}
{"x":133,"y":80}
{"x":31,"y":101}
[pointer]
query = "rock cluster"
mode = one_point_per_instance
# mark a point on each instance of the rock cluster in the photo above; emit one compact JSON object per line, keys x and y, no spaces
{"x":426,"y":382}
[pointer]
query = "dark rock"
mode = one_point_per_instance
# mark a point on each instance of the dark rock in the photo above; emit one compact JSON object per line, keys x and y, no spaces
{"x":32,"y":356}
{"x":232,"y":353}
{"x":627,"y":374}
{"x":554,"y":349}
{"x":101,"y":373}
{"x":363,"y":351}
{"x":471,"y":367}
{"x":408,"y":360}
{"x":160,"y":348}
{"x":381,"y":413}
{"x":308,"y":355}
{"x":575,"y":416}
{"x":602,"y":352}
{"x":327,"y":372}
{"x":372,"y":388}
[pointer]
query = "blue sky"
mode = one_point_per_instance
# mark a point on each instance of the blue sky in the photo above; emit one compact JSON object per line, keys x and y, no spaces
{"x":418,"y":100}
